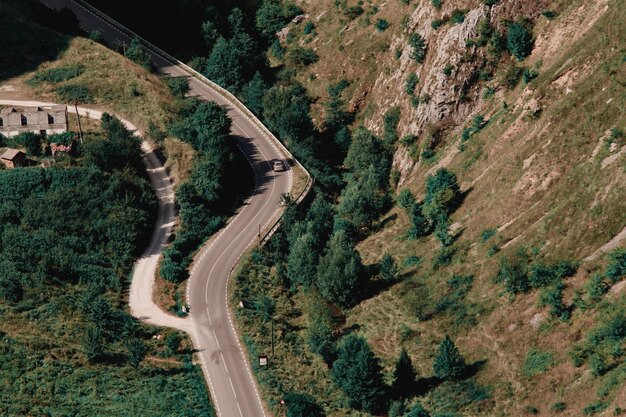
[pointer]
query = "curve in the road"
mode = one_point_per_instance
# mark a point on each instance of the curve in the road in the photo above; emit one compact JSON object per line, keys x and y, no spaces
{"x":225,"y":364}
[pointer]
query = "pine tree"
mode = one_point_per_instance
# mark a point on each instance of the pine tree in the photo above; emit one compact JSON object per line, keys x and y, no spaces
{"x":253,"y":93}
{"x":449,"y":364}
{"x":137,"y":351}
{"x":358,"y":373}
{"x":519,"y":41}
{"x":404,"y":376}
{"x":302,"y":405}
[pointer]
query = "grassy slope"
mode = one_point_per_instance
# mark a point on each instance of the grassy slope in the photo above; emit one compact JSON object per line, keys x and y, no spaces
{"x":562,"y":202}
{"x":47,"y":373}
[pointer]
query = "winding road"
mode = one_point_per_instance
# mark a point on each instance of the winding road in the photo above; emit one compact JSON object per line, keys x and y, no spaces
{"x":211,"y":326}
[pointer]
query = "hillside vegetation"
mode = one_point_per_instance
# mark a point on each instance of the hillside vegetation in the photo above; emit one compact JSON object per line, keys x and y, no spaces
{"x":506,"y":125}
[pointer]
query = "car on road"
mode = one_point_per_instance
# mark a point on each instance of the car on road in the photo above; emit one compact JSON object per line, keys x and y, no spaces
{"x":278,"y":165}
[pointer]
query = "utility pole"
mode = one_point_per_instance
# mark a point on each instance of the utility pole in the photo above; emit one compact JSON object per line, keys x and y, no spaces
{"x":272,"y":338}
{"x":80,"y":128}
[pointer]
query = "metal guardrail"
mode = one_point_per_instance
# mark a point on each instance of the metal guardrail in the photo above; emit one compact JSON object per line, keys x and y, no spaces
{"x":220,"y":90}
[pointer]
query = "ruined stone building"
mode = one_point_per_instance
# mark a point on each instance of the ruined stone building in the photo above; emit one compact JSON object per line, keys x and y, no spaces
{"x":44,"y":120}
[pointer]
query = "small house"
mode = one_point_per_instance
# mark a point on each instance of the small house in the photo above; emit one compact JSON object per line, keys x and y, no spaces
{"x":12,"y":158}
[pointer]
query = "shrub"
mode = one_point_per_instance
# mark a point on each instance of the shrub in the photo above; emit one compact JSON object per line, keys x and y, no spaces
{"x":411,"y":83}
{"x":487,"y":234}
{"x":381,"y":25}
{"x":299,"y":57}
{"x":179,"y":86}
{"x":597,"y":364}
{"x":436,"y":4}
{"x":519,"y":40}
{"x":616,"y":268}
{"x":309,"y":27}
{"x":511,"y":75}
{"x":447,"y":70}
{"x":444,"y":257}
{"x":57,"y":75}
{"x":74,"y":93}
{"x":537,"y":362}
{"x":553,"y":298}
{"x":595,"y":408}
{"x":353,"y":12}
{"x":529,"y":75}
{"x":488,"y":92}
{"x":436,"y":24}
{"x":541,"y":275}
{"x":138,"y":55}
{"x":418,"y":45}
{"x":559,"y":407}
{"x":531,"y":409}
{"x":496,"y":44}
{"x":390,"y":123}
{"x":457,"y":16}
{"x":549,"y":14}
{"x":96,"y":36}
{"x":406,"y":199}
{"x":597,"y":287}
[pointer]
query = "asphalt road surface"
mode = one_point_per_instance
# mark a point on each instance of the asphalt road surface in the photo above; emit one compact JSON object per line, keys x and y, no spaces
{"x":225,"y":365}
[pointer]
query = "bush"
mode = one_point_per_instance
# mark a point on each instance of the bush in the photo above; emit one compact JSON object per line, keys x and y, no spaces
{"x":511,"y":75}
{"x":353,"y":12}
{"x":537,"y":362}
{"x":447,"y":70}
{"x":57,"y":75}
{"x":436,"y":24}
{"x":616,"y":268}
{"x":559,"y":407}
{"x":418,"y":45}
{"x":179,"y":86}
{"x":300,"y":58}
{"x":597,"y":287}
{"x":436,"y":4}
{"x":519,"y":40}
{"x":487,"y":234}
{"x":381,"y":25}
{"x":390,"y":123}
{"x":549,"y":14}
{"x":529,"y":75}
{"x":74,"y":93}
{"x":309,"y":28}
{"x":411,"y":83}
{"x":595,"y":408}
{"x":458,"y":16}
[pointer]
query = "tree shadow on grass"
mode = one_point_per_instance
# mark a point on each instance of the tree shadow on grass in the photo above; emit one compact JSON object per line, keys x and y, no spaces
{"x":25,"y":43}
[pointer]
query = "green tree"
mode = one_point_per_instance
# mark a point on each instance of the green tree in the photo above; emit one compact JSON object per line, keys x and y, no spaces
{"x":93,"y":344}
{"x":448,"y":364}
{"x":359,"y":375}
{"x":210,"y":33}
{"x":418,"y":411}
{"x":320,"y":337}
{"x":172,"y":342}
{"x":211,"y":125}
{"x":406,"y":199}
{"x":519,"y":40}
{"x":363,"y":200}
{"x":442,"y":193}
{"x":340,"y":272}
{"x":302,"y":261}
{"x":366,"y":150}
{"x":10,"y":283}
{"x":420,"y":225}
{"x":179,"y":86}
{"x":388,"y":268}
{"x":253,"y":93}
{"x":137,"y":54}
{"x":286,"y":111}
{"x":137,"y":351}
{"x":404,"y":376}
{"x":302,"y":405}
{"x":270,"y":18}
